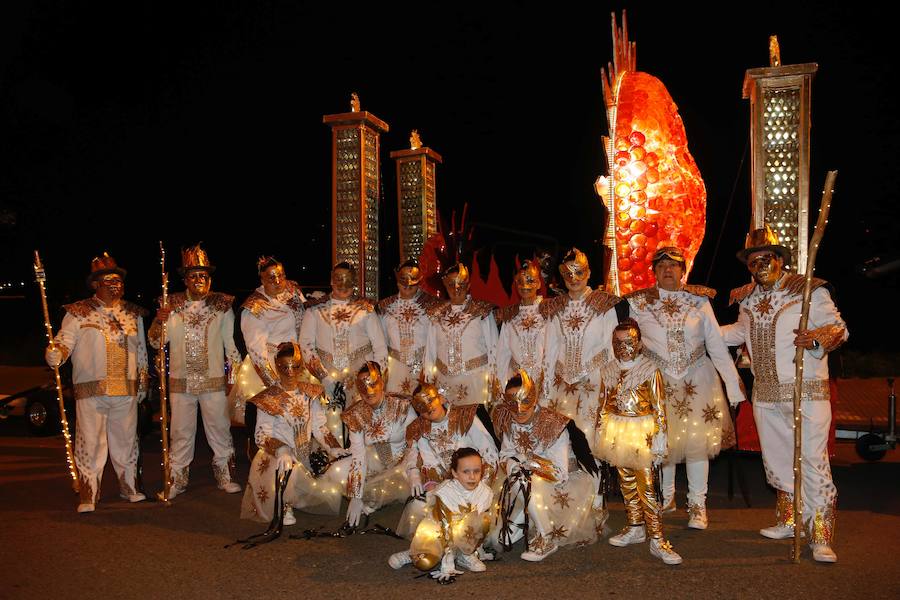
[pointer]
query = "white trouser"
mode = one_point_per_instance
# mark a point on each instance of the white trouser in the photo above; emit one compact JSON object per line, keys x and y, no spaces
{"x":214,"y":410}
{"x":106,"y":426}
{"x":775,"y":424}
{"x":697,"y":476}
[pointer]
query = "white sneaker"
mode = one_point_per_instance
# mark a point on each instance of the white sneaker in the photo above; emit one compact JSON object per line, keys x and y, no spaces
{"x":669,"y":506}
{"x":85,"y":507}
{"x":470,"y":562}
{"x":538,"y":555}
{"x":630,"y":534}
{"x":697,"y":516}
{"x":230,"y":488}
{"x":778,"y":532}
{"x":399,"y":559}
{"x":289,"y":518}
{"x":823,"y":553}
{"x":136,"y":497}
{"x":663,"y":550}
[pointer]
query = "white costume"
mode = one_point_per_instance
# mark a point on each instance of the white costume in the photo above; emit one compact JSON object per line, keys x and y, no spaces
{"x":202,"y":356}
{"x":523,"y":330}
{"x":109,"y":375}
{"x":578,"y":345}
{"x":681,"y":336}
{"x":406,"y":332}
{"x":267,"y":322}
{"x":766,"y":325}
{"x":459,"y":354}
{"x":561,"y":504}
{"x":430,"y":446}
{"x":374,"y":470}
{"x":289,"y":419}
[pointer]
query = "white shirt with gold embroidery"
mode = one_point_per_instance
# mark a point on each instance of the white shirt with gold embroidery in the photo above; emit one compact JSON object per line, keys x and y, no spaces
{"x":766,"y":324}
{"x":460,"y":340}
{"x":435,"y":447}
{"x":406,"y":330}
{"x":521,"y":344}
{"x":579,"y":342}
{"x":107,"y":347}
{"x":343,"y":334}
{"x":267,"y":322}
{"x":678,"y":329}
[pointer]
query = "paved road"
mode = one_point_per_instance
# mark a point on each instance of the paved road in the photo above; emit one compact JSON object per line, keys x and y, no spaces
{"x":148,"y":550}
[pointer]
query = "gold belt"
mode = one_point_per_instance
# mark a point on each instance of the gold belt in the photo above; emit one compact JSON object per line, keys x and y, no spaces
{"x":816,"y":390}
{"x":472,"y":363}
{"x":679,"y":364}
{"x":105,"y":387}
{"x":416,"y":357}
{"x":327,"y":358}
{"x":209,"y":384}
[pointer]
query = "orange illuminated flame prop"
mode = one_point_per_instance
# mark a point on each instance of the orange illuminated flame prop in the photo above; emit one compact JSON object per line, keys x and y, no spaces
{"x":654,"y":194}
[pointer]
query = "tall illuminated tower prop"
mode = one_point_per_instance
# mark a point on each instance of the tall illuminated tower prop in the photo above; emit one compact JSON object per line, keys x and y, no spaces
{"x":355,"y":192}
{"x":416,"y":195}
{"x":779,"y":141}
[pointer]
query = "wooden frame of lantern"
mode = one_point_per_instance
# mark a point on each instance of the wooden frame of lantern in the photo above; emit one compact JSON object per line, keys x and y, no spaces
{"x":416,"y":198}
{"x":779,"y":141}
{"x":355,"y":192}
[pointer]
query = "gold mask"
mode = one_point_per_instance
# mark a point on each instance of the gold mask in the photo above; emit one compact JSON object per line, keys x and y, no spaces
{"x":528,"y":277}
{"x":423,"y":400}
{"x":626,"y":344}
{"x":289,"y":367}
{"x":458,"y":281}
{"x":197,"y":282}
{"x":525,"y":397}
{"x":577,"y":270}
{"x":408,"y":277}
{"x":342,"y":280}
{"x":766,"y":268}
{"x":370,"y":383}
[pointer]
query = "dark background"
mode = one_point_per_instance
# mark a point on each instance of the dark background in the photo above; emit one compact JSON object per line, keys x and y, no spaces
{"x":123,"y":124}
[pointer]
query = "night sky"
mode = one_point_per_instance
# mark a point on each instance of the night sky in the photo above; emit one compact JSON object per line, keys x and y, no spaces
{"x":130,"y":122}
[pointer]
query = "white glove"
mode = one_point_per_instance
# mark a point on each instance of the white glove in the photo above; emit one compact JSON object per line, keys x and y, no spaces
{"x":53,"y":356}
{"x":141,"y":396}
{"x":285,"y":462}
{"x":448,"y":567}
{"x":354,"y":512}
{"x":659,"y":448}
{"x":415,"y":483}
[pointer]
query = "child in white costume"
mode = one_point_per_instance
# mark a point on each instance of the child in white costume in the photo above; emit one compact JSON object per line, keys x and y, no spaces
{"x":460,"y":519}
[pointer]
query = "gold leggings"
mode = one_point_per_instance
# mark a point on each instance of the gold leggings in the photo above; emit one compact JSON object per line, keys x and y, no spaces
{"x":640,"y":499}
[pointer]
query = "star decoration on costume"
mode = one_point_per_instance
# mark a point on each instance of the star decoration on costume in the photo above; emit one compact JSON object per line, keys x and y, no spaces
{"x":671,"y":306}
{"x":682,"y":408}
{"x":341,"y":315}
{"x":298,"y":411}
{"x":376,"y":429}
{"x":669,"y":390}
{"x":589,"y":388}
{"x":574,"y":322}
{"x":523,"y":442}
{"x":763,"y":306}
{"x":461,"y":392}
{"x":557,"y":380}
{"x":194,"y":320}
{"x":262,"y":494}
{"x":571,"y":388}
{"x":537,"y":544}
{"x":453,"y":319}
{"x":263,"y":465}
{"x":408,"y":314}
{"x":114,"y":325}
{"x":561,"y":498}
{"x":711,"y":413}
{"x":557,"y":533}
{"x":406,"y":387}
{"x":690,"y":390}
{"x":528,"y":322}
{"x":471,"y":535}
{"x":649,"y":439}
{"x":553,"y":404}
{"x":443,"y":442}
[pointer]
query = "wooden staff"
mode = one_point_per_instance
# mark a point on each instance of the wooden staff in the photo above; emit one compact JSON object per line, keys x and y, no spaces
{"x":41,"y":278}
{"x":798,"y":355}
{"x":163,"y":376}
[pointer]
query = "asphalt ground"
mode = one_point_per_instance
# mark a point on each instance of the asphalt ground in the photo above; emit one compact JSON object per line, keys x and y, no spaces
{"x":152,"y":550}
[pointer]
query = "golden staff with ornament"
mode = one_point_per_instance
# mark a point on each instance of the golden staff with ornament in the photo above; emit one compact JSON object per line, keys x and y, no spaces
{"x":41,"y":277}
{"x":163,"y":376}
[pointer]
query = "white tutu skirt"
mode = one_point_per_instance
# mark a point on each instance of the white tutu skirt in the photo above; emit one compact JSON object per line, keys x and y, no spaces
{"x":467,"y":532}
{"x":383,"y":485}
{"x":623,"y":441}
{"x":471,"y":387}
{"x":303,"y":491}
{"x":698,"y":422}
{"x":578,"y":401}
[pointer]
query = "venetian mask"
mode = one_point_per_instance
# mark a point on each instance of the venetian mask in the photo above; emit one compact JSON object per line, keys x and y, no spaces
{"x":765,"y":267}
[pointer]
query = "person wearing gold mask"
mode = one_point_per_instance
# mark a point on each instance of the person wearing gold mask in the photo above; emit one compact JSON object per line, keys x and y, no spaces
{"x":431,"y":440}
{"x":768,"y":323}
{"x":522,"y":328}
{"x":373,"y":474}
{"x":535,"y":452}
{"x":271,"y":315}
{"x":405,"y":319}
{"x":290,"y":416}
{"x":578,"y":342}
{"x":340,"y":332}
{"x":104,"y":335}
{"x":202,"y":362}
{"x":462,"y":337}
{"x":681,"y":336}
{"x":632,"y":437}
